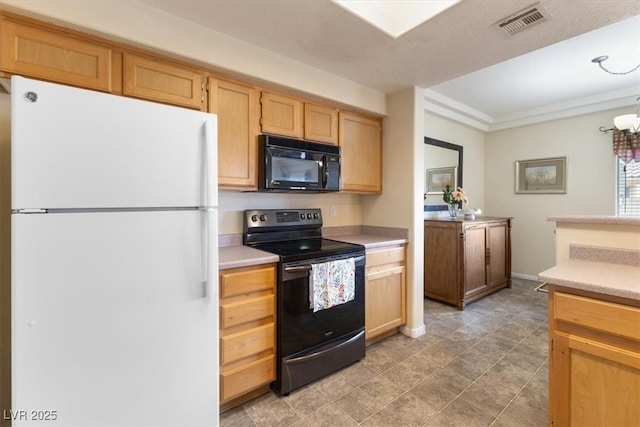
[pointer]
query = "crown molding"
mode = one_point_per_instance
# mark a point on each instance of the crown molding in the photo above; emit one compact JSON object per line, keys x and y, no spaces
{"x":443,"y":106}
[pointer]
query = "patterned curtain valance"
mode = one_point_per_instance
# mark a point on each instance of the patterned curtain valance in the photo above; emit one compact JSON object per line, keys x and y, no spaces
{"x":626,"y":145}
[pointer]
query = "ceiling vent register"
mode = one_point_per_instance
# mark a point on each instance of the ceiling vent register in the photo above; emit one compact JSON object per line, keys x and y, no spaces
{"x":524,"y":19}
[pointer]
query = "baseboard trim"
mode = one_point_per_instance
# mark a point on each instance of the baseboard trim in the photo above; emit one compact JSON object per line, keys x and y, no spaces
{"x":413,"y":333}
{"x":525,"y":277}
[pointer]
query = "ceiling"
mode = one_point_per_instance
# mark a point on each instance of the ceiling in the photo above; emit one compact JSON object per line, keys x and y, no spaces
{"x":471,"y":70}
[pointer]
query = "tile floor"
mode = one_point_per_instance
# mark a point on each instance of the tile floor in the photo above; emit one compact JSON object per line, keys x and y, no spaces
{"x":484,"y":366}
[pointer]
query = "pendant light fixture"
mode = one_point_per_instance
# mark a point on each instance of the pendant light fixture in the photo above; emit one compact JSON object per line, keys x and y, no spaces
{"x":625,"y":122}
{"x":600,"y":59}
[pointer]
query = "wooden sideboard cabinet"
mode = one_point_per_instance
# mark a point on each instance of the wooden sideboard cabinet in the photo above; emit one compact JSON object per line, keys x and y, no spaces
{"x":385,"y":290}
{"x":466,"y":260}
{"x":247,"y":330}
{"x":594,"y":361}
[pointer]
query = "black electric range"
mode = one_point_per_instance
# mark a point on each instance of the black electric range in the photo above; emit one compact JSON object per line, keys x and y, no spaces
{"x":310,"y":344}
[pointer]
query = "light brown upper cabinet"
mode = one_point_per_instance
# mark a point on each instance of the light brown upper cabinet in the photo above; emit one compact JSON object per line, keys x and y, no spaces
{"x":53,"y":56}
{"x":237,"y":108}
{"x":162,"y":82}
{"x":360,"y":139}
{"x":320,"y":123}
{"x":281,"y":114}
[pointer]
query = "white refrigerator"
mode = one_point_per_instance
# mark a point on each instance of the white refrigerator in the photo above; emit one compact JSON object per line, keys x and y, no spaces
{"x":114,"y":260}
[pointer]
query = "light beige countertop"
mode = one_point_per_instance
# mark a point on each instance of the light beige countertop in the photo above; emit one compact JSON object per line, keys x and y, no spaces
{"x":232,"y":254}
{"x":243,"y":256}
{"x":368,"y":236}
{"x":596,"y":219}
{"x":608,"y":271}
{"x":370,"y":240}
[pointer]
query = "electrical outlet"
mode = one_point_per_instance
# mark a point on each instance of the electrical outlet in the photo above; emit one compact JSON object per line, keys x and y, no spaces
{"x":332,"y":211}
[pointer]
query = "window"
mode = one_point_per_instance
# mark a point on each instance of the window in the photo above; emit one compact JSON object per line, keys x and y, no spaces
{"x":628,"y":188}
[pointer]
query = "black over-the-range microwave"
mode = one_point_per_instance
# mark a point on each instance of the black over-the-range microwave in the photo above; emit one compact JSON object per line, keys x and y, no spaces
{"x":296,"y":165}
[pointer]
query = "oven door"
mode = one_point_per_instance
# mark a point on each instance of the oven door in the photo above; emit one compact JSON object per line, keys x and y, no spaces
{"x":299,"y":327}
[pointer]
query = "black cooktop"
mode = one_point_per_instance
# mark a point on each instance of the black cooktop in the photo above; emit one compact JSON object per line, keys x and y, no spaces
{"x":294,"y":250}
{"x":293,"y":234}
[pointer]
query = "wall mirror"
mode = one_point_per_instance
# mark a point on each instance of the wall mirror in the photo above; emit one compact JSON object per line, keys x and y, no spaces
{"x":440,"y":157}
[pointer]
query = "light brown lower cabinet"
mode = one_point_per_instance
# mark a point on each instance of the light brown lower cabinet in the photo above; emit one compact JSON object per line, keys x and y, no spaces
{"x":594,"y":362}
{"x":247,"y":330}
{"x":385,"y":290}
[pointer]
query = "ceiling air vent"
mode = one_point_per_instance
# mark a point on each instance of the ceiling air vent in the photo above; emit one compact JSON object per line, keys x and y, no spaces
{"x":524,"y":19}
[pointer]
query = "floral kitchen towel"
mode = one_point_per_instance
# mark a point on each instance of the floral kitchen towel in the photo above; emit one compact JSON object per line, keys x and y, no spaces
{"x":331,"y":283}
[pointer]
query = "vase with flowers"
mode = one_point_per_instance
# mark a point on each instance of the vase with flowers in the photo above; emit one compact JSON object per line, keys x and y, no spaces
{"x":454,"y":199}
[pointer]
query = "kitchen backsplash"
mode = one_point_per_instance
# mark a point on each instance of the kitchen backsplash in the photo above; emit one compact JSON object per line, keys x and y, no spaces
{"x":233,"y":203}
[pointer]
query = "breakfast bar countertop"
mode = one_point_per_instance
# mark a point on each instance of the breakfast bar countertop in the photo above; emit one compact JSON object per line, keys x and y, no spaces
{"x":607,"y":271}
{"x":595,"y":219}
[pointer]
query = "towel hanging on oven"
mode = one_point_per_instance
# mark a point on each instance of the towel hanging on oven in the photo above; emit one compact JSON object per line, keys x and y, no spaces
{"x":331,"y":283}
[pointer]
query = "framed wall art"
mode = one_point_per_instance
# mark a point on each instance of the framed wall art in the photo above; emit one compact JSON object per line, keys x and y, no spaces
{"x":541,"y":176}
{"x":439,"y":178}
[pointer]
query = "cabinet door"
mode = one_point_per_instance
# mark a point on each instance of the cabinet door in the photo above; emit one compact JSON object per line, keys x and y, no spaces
{"x":281,"y":115}
{"x":385,"y":296}
{"x":475,"y":259}
{"x":593,"y":383}
{"x":441,"y":266}
{"x":237,"y":108}
{"x":162,"y":82}
{"x":321,"y":123}
{"x":47,"y":55}
{"x":361,"y":150}
{"x":497,"y":253}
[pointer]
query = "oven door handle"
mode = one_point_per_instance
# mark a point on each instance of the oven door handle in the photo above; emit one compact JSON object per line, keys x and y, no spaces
{"x":306,"y":268}
{"x":299,"y":269}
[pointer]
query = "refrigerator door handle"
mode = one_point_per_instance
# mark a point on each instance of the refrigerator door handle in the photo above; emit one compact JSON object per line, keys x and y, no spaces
{"x":210,"y":239}
{"x":210,"y":180}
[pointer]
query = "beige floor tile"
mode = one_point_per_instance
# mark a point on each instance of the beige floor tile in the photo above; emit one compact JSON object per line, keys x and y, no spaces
{"x":486,"y":365}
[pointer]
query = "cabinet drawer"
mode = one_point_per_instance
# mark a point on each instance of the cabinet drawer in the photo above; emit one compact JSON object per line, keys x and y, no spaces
{"x":385,"y":256}
{"x":243,"y":344}
{"x":247,"y":378}
{"x":600,"y":315}
{"x":243,"y":281}
{"x":246,"y":311}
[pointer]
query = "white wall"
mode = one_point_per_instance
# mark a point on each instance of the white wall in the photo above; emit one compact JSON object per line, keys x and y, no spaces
{"x":590,"y":181}
{"x":472,"y":141}
{"x":400,"y":204}
{"x":232,"y":203}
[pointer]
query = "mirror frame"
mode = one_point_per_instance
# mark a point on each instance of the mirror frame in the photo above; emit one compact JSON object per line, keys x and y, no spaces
{"x":454,"y":147}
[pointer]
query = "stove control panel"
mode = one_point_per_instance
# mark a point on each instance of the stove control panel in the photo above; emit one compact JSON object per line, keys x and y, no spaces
{"x":282,"y":218}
